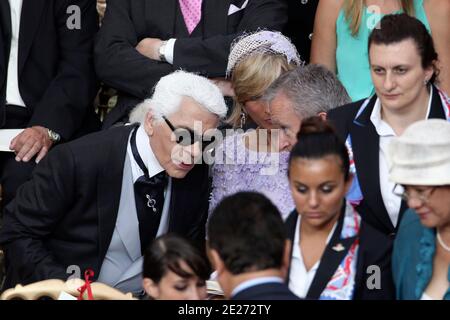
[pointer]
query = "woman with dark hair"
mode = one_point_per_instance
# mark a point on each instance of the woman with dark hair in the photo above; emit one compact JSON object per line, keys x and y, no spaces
{"x":335,"y":255}
{"x":342,"y":29}
{"x":174,"y":270}
{"x":402,"y":61}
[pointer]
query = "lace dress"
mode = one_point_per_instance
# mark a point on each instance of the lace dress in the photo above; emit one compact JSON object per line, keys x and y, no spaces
{"x":237,"y":169}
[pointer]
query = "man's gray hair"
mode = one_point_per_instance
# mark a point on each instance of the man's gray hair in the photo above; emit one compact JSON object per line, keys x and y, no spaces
{"x":312,"y":89}
{"x":171,"y":89}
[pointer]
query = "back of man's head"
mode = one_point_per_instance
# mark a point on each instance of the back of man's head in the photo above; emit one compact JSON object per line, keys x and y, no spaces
{"x":247,"y":232}
{"x":312,"y":90}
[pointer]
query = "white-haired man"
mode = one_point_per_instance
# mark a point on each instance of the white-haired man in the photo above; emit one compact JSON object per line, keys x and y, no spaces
{"x":97,"y":202}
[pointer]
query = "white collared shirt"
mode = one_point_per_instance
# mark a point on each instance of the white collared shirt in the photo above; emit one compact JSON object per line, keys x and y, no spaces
{"x":254,"y":282}
{"x":299,"y":278}
{"x":391,"y":202}
{"x":169,"y":50}
{"x":13,"y":96}
{"x":153,"y":167}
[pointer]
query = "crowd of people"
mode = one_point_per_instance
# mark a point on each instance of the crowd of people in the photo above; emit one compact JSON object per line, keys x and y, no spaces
{"x":246,"y":148}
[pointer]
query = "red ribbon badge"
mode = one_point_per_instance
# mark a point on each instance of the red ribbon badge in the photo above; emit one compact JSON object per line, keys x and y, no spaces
{"x":89,"y":273}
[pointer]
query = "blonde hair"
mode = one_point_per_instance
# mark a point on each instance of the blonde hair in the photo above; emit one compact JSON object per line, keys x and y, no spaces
{"x":252,"y":76}
{"x":353,"y":10}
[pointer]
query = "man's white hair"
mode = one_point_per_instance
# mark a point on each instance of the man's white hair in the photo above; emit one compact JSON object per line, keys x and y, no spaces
{"x":171,"y":89}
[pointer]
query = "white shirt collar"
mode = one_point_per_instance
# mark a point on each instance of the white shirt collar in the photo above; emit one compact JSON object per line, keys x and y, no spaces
{"x":297,"y":232}
{"x":383,"y":128}
{"x":254,"y":282}
{"x":147,"y":155}
{"x":301,"y":279}
{"x":296,"y":252}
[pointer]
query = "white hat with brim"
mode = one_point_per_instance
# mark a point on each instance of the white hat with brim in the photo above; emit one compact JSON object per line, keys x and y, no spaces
{"x":421,"y":156}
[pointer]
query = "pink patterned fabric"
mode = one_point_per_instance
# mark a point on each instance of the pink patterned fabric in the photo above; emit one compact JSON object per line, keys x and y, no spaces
{"x":192,"y":13}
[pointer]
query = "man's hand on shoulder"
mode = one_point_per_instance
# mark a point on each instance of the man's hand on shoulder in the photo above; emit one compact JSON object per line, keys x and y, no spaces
{"x":30,"y":142}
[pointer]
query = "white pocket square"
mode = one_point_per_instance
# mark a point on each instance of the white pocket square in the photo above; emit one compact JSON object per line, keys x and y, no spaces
{"x":234,"y":9}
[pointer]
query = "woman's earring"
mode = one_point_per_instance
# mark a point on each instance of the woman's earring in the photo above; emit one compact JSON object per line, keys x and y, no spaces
{"x":425,"y":82}
{"x":243,"y":119}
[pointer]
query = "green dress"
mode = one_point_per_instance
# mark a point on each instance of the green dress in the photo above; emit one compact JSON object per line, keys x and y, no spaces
{"x":352,"y":58}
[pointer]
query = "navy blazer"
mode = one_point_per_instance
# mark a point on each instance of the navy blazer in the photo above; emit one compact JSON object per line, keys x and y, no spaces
{"x":366,"y":146}
{"x":375,"y":248}
{"x":266,"y":291}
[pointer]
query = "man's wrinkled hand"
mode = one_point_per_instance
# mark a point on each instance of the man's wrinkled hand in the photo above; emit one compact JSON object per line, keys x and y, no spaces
{"x":31,"y":141}
{"x":149,"y":47}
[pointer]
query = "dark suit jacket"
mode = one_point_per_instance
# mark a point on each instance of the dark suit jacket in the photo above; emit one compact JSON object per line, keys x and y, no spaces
{"x":375,"y":249}
{"x":266,"y":291}
{"x":56,"y":71}
{"x":300,"y":25}
{"x":127,"y":22}
{"x":66,"y":214}
{"x":365,"y":143}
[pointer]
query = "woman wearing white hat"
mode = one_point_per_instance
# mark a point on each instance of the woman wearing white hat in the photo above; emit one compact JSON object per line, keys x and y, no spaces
{"x":420,"y":165}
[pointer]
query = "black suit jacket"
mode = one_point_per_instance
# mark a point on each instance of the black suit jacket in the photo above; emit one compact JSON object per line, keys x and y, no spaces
{"x":66,"y":214}
{"x":55,"y":65}
{"x":266,"y":291}
{"x":375,"y":249}
{"x":127,"y":22}
{"x":300,"y":25}
{"x":366,"y":145}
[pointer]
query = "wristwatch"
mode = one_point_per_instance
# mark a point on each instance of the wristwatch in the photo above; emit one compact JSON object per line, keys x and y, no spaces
{"x":161,"y":51}
{"x":55,"y":137}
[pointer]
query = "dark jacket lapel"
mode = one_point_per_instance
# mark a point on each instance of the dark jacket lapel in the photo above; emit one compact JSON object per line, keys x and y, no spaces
{"x":331,"y":258}
{"x":366,"y":145}
{"x":183,"y":197}
{"x":290,"y":225}
{"x":215,"y":16}
{"x":160,"y":17}
{"x":109,"y":188}
{"x":436,"y":110}
{"x":29,"y":24}
{"x":5,"y":41}
{"x":5,"y":16}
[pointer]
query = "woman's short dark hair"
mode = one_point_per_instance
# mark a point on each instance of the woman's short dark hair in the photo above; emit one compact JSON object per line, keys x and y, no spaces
{"x":167,"y":252}
{"x":317,"y":139}
{"x":395,"y":28}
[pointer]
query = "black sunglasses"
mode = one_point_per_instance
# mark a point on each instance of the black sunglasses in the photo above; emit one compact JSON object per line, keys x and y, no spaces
{"x":187,"y":137}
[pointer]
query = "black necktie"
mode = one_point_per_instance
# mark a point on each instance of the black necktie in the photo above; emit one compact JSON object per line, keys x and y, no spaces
{"x":149,"y":198}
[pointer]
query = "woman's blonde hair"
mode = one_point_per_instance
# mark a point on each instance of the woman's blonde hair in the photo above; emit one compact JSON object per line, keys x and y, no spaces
{"x":252,"y":76}
{"x":353,"y":10}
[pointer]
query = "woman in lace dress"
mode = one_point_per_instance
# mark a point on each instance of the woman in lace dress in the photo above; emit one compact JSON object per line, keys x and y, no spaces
{"x":252,"y":160}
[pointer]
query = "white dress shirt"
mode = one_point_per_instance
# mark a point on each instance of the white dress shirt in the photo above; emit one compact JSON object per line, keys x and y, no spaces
{"x":386,"y":133}
{"x":299,"y":278}
{"x":12,"y":83}
{"x":168,"y":50}
{"x":254,"y":282}
{"x":153,"y":167}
